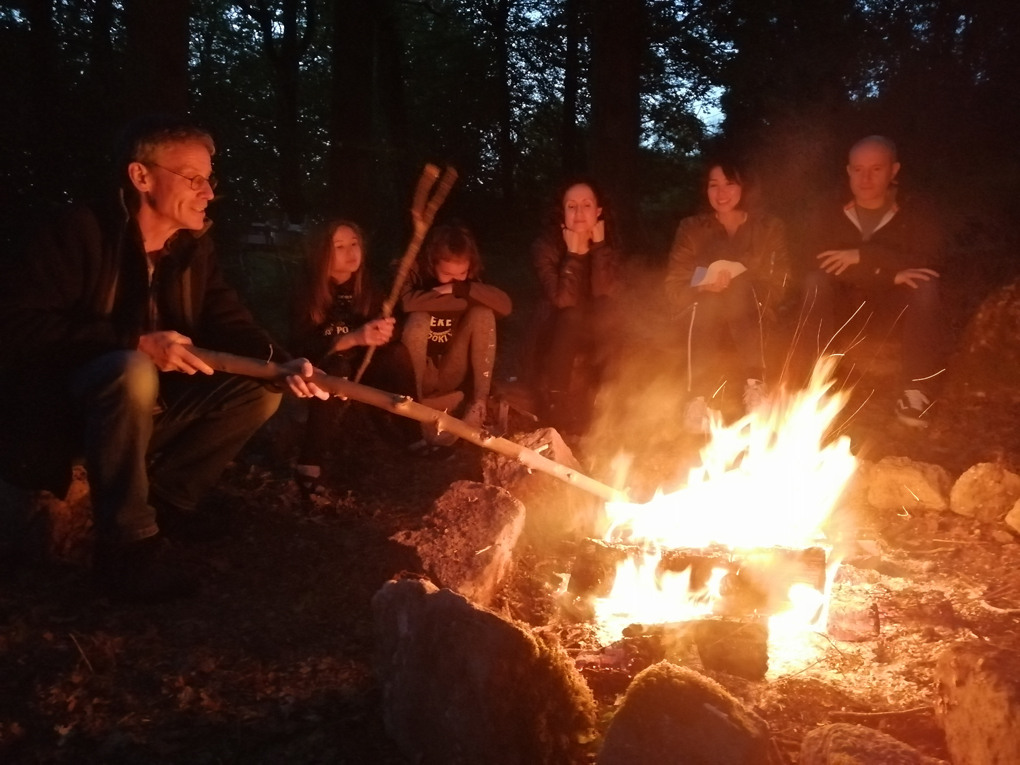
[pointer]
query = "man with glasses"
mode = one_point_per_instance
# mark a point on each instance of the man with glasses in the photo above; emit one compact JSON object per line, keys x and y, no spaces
{"x":96,"y":322}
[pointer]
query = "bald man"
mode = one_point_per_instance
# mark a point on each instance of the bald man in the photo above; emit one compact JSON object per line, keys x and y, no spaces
{"x":890,"y":248}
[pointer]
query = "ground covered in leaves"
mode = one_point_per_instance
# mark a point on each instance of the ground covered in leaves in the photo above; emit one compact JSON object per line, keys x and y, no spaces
{"x":272,"y":662}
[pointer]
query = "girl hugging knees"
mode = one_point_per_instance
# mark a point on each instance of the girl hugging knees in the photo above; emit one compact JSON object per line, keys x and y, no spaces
{"x":451,"y":326}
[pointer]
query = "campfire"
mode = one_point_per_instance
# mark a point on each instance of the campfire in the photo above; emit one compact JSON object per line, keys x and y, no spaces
{"x":740,"y":548}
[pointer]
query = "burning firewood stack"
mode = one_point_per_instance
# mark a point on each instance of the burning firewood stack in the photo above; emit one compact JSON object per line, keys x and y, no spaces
{"x":864,"y":616}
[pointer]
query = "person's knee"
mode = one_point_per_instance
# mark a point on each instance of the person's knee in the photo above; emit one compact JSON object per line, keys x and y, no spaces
{"x":481,"y":317}
{"x":259,"y":402}
{"x":817,"y":284}
{"x":134,"y":376}
{"x":925,"y":297}
{"x":416,"y":329}
{"x":417,"y":321}
{"x":268,"y":402}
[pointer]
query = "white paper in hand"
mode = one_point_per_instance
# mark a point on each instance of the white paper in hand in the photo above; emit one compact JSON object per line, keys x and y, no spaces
{"x":709,"y":275}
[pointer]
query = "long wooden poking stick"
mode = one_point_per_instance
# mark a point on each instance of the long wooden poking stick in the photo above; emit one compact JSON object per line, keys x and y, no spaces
{"x":423,"y":211}
{"x":407,"y":407}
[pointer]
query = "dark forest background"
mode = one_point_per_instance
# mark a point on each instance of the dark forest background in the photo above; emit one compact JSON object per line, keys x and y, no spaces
{"x":330,"y":107}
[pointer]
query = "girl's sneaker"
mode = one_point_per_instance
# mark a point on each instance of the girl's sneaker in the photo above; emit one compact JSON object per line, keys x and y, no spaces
{"x":696,"y":416}
{"x":756,"y":396}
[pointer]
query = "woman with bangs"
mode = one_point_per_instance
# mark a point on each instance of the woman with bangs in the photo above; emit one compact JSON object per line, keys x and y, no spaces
{"x":336,"y":319}
{"x":727,"y":266}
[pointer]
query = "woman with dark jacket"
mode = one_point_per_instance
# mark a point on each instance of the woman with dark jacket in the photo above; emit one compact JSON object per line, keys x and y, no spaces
{"x":579,"y":270}
{"x":726,"y":267}
{"x":333,"y":326}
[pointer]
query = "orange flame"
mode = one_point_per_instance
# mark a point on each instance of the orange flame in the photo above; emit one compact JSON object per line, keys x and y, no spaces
{"x":770,"y":479}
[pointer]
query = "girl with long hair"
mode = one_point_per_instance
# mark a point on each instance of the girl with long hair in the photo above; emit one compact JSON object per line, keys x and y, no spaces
{"x":333,"y":326}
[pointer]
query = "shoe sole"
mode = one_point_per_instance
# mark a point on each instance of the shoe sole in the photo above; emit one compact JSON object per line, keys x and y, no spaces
{"x":912,"y":422}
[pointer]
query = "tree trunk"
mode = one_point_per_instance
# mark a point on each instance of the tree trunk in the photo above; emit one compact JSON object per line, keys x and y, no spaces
{"x":157,"y":56}
{"x":44,"y":97}
{"x":391,"y":90}
{"x":615,"y":83}
{"x":285,"y":53}
{"x":104,"y":79}
{"x":507,"y":149}
{"x":352,"y":163}
{"x":288,"y":73}
{"x":570,"y":149}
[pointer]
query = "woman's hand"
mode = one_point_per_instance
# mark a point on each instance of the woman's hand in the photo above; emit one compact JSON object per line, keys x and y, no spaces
{"x":576,"y":241}
{"x":598,"y":231}
{"x":443,"y":289}
{"x":376,"y":332}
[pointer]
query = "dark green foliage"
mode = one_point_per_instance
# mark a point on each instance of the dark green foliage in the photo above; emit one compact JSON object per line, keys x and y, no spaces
{"x":489,"y":86}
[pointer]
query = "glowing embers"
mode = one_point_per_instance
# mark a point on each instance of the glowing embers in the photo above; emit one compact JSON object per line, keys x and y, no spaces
{"x":742,"y":538}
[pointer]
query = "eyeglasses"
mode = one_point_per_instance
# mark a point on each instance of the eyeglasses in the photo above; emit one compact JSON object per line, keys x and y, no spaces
{"x":196,"y":181}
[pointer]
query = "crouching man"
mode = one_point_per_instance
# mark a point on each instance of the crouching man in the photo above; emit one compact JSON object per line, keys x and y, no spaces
{"x":97,"y":316}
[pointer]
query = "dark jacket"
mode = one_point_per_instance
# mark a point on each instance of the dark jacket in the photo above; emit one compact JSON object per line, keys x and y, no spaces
{"x":759,"y":244}
{"x":79,"y":290}
{"x":343,"y":316}
{"x":570,"y":280}
{"x":910,"y":238}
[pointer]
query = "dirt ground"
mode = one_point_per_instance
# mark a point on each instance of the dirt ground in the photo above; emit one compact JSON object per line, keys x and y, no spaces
{"x":271,"y":663}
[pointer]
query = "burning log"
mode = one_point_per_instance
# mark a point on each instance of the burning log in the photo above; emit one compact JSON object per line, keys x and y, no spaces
{"x":735,"y":647}
{"x":594,"y":570}
{"x":406,"y":407}
{"x":756,"y":581}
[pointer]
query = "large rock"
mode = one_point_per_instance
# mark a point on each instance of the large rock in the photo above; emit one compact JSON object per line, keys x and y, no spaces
{"x":986,"y":492}
{"x":675,"y":716}
{"x":978,"y":703}
{"x":843,"y":744}
{"x":897,"y":482}
{"x":461,"y":685}
{"x":990,"y":342}
{"x":468,"y":539}
{"x":1013,"y":518}
{"x":556,"y":510}
{"x":37,"y":525}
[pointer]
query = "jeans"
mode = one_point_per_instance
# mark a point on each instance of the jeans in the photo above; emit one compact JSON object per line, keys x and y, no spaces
{"x":920,"y":311}
{"x":160,"y":437}
{"x":735,"y":309}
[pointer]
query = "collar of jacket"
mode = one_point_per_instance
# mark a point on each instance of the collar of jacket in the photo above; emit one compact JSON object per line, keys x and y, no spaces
{"x":850,"y":211}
